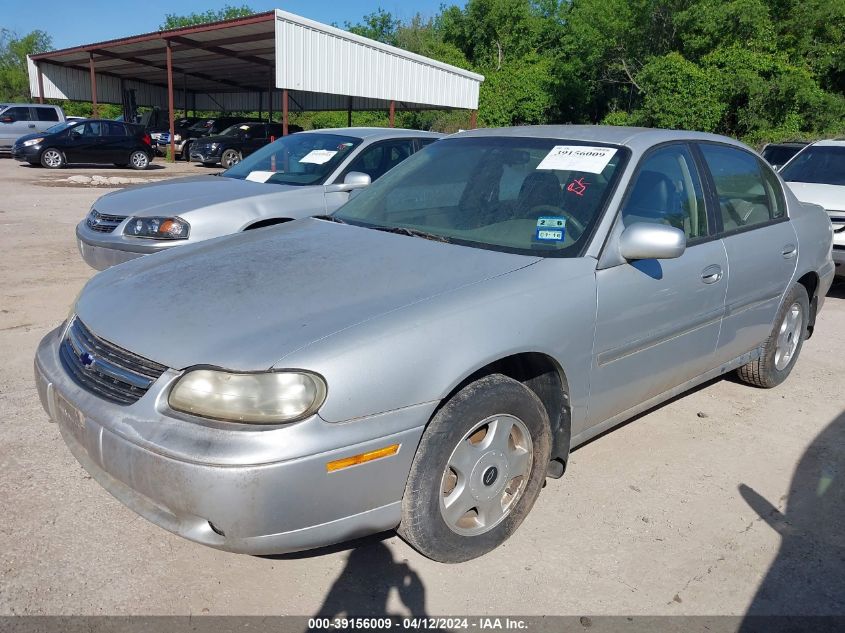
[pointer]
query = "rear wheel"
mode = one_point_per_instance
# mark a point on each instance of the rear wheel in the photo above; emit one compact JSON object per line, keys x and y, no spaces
{"x":781,"y":349}
{"x":230,"y":157}
{"x":139,"y":160}
{"x":477,"y":472}
{"x":52,"y":158}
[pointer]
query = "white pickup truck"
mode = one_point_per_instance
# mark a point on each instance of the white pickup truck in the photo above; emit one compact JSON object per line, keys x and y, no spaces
{"x":17,"y":119}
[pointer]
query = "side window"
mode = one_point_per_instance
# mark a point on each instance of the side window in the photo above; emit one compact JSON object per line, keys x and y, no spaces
{"x":425,"y":141}
{"x":745,"y":198}
{"x":19,"y":113}
{"x":774,"y":192}
{"x":667,"y":190}
{"x":46,"y":114}
{"x":115,"y":129}
{"x":369,"y":161}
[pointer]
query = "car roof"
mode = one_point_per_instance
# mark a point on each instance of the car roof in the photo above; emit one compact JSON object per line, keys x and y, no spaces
{"x":34,"y":105}
{"x":789,"y":144}
{"x":637,"y":138}
{"x":832,"y":142}
{"x":375,"y":133}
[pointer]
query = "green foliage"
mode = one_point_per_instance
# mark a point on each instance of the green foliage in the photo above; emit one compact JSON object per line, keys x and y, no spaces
{"x":228,"y":12}
{"x":14,"y":77}
{"x":379,"y":25}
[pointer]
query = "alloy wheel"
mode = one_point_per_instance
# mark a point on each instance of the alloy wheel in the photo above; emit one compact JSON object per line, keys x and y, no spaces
{"x":789,"y":335}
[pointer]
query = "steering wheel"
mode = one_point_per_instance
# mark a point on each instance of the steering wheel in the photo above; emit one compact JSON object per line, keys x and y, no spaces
{"x":551,"y":210}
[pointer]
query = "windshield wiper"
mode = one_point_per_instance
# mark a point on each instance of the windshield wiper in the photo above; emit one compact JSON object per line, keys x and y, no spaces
{"x":403,"y":230}
{"x":330,"y":218}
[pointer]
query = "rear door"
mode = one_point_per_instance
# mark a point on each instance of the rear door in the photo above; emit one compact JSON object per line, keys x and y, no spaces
{"x":760,"y":242}
{"x":116,"y":143}
{"x":45,"y":117}
{"x":657,"y":321}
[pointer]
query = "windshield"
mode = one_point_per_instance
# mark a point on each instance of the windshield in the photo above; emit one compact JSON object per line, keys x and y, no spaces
{"x":530,"y":196}
{"x":203,"y":125}
{"x":235,"y":130}
{"x":60,"y":126}
{"x":819,"y":164}
{"x":780,"y":154}
{"x":298,"y":159}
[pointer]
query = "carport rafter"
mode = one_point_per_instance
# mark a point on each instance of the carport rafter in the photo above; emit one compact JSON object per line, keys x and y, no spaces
{"x":143,"y":62}
{"x":223,"y":52}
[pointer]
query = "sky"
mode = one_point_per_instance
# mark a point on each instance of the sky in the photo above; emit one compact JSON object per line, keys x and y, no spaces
{"x":90,"y":21}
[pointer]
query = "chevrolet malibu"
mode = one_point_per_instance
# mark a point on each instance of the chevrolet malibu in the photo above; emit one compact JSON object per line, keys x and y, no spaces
{"x":424,"y":358}
{"x":309,"y":173}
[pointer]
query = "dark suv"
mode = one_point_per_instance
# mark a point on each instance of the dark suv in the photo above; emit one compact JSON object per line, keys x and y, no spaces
{"x":235,"y":142}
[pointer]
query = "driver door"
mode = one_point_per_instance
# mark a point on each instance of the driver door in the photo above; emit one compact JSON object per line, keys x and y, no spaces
{"x":657,"y":321}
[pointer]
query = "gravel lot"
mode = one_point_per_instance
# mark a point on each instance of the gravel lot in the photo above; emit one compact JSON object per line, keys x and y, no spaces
{"x":726,"y":500}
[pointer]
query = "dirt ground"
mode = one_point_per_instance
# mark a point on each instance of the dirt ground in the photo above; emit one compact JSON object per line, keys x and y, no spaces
{"x":725,"y":501}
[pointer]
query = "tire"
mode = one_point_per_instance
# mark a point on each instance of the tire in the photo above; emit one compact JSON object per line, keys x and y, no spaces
{"x":229,"y":158}
{"x":139,"y":160}
{"x":51,"y":158}
{"x":455,"y":457}
{"x":186,"y":152}
{"x":781,"y":349}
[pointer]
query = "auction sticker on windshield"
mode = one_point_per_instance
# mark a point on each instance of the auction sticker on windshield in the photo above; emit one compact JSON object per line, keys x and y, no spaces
{"x":585,"y":158}
{"x":551,"y":228}
{"x":260,"y":176}
{"x":318,"y":156}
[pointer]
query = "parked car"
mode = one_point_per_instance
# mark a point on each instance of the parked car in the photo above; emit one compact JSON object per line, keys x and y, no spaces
{"x":180,"y":126}
{"x":19,"y":119}
{"x":230,"y":146}
{"x":203,"y":127}
{"x":89,"y":141}
{"x":428,"y":354}
{"x":817,"y":175}
{"x":778,"y":154}
{"x":311,"y":173}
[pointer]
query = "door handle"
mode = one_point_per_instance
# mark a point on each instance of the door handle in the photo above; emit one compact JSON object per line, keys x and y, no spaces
{"x":31,"y":125}
{"x":711,"y":274}
{"x":789,"y":251}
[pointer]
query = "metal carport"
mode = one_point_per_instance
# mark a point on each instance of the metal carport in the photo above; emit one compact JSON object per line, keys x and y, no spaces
{"x":268,"y":61}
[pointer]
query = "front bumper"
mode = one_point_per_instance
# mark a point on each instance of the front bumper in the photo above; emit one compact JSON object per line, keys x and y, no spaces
{"x":205,"y":154}
{"x":31,"y":154}
{"x":233,"y":487}
{"x":103,"y":250}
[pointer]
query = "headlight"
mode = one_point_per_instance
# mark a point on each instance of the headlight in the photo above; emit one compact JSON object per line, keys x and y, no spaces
{"x":262,"y":398}
{"x":177,"y":137}
{"x":158,"y":228}
{"x":32,"y":141}
{"x":214,"y":146}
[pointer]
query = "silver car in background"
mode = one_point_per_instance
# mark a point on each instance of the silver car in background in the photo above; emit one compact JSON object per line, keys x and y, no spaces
{"x":426,"y":356}
{"x":309,"y":173}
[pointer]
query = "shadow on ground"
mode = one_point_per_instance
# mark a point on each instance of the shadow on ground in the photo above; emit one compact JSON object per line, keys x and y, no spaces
{"x":808,"y":575}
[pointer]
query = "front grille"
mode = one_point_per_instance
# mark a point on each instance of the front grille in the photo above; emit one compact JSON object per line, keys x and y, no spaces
{"x":106,"y":370}
{"x":103,"y":222}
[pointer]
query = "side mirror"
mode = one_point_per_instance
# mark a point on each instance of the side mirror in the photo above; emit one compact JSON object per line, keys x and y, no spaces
{"x":353,"y":180}
{"x":643,"y":240}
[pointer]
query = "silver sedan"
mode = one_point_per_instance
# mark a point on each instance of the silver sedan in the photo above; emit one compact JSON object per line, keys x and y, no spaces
{"x":427,"y":356}
{"x":304,"y":174}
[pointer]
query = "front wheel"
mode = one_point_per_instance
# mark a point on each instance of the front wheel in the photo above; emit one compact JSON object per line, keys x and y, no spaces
{"x":230,"y":157}
{"x":52,"y":158}
{"x":478,"y":470}
{"x":139,"y":160}
{"x":781,"y":349}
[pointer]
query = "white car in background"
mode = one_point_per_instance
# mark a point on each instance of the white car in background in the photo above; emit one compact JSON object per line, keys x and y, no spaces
{"x":816,"y":174}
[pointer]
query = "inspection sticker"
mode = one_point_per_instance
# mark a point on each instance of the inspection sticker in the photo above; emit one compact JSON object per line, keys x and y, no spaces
{"x":318,"y":156}
{"x":260,"y":176}
{"x":551,"y":228}
{"x":586,"y":158}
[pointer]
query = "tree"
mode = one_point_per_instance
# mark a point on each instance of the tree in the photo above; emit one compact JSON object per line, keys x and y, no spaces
{"x":228,"y":12}
{"x":14,"y":76}
{"x":379,"y":25}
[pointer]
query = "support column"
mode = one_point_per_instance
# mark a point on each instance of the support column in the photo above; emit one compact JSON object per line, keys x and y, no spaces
{"x":285,"y":112}
{"x":40,"y":84}
{"x":349,"y":112}
{"x":170,"y":112}
{"x":392,"y":112}
{"x":94,"y":108}
{"x":473,"y":120}
{"x":185,"y":93}
{"x":260,"y":105}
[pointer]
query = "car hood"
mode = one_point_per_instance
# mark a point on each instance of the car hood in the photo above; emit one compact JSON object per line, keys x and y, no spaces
{"x":208,"y":140}
{"x":831,"y":197}
{"x":245,"y":301}
{"x":27,"y":137}
{"x":183,"y":195}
